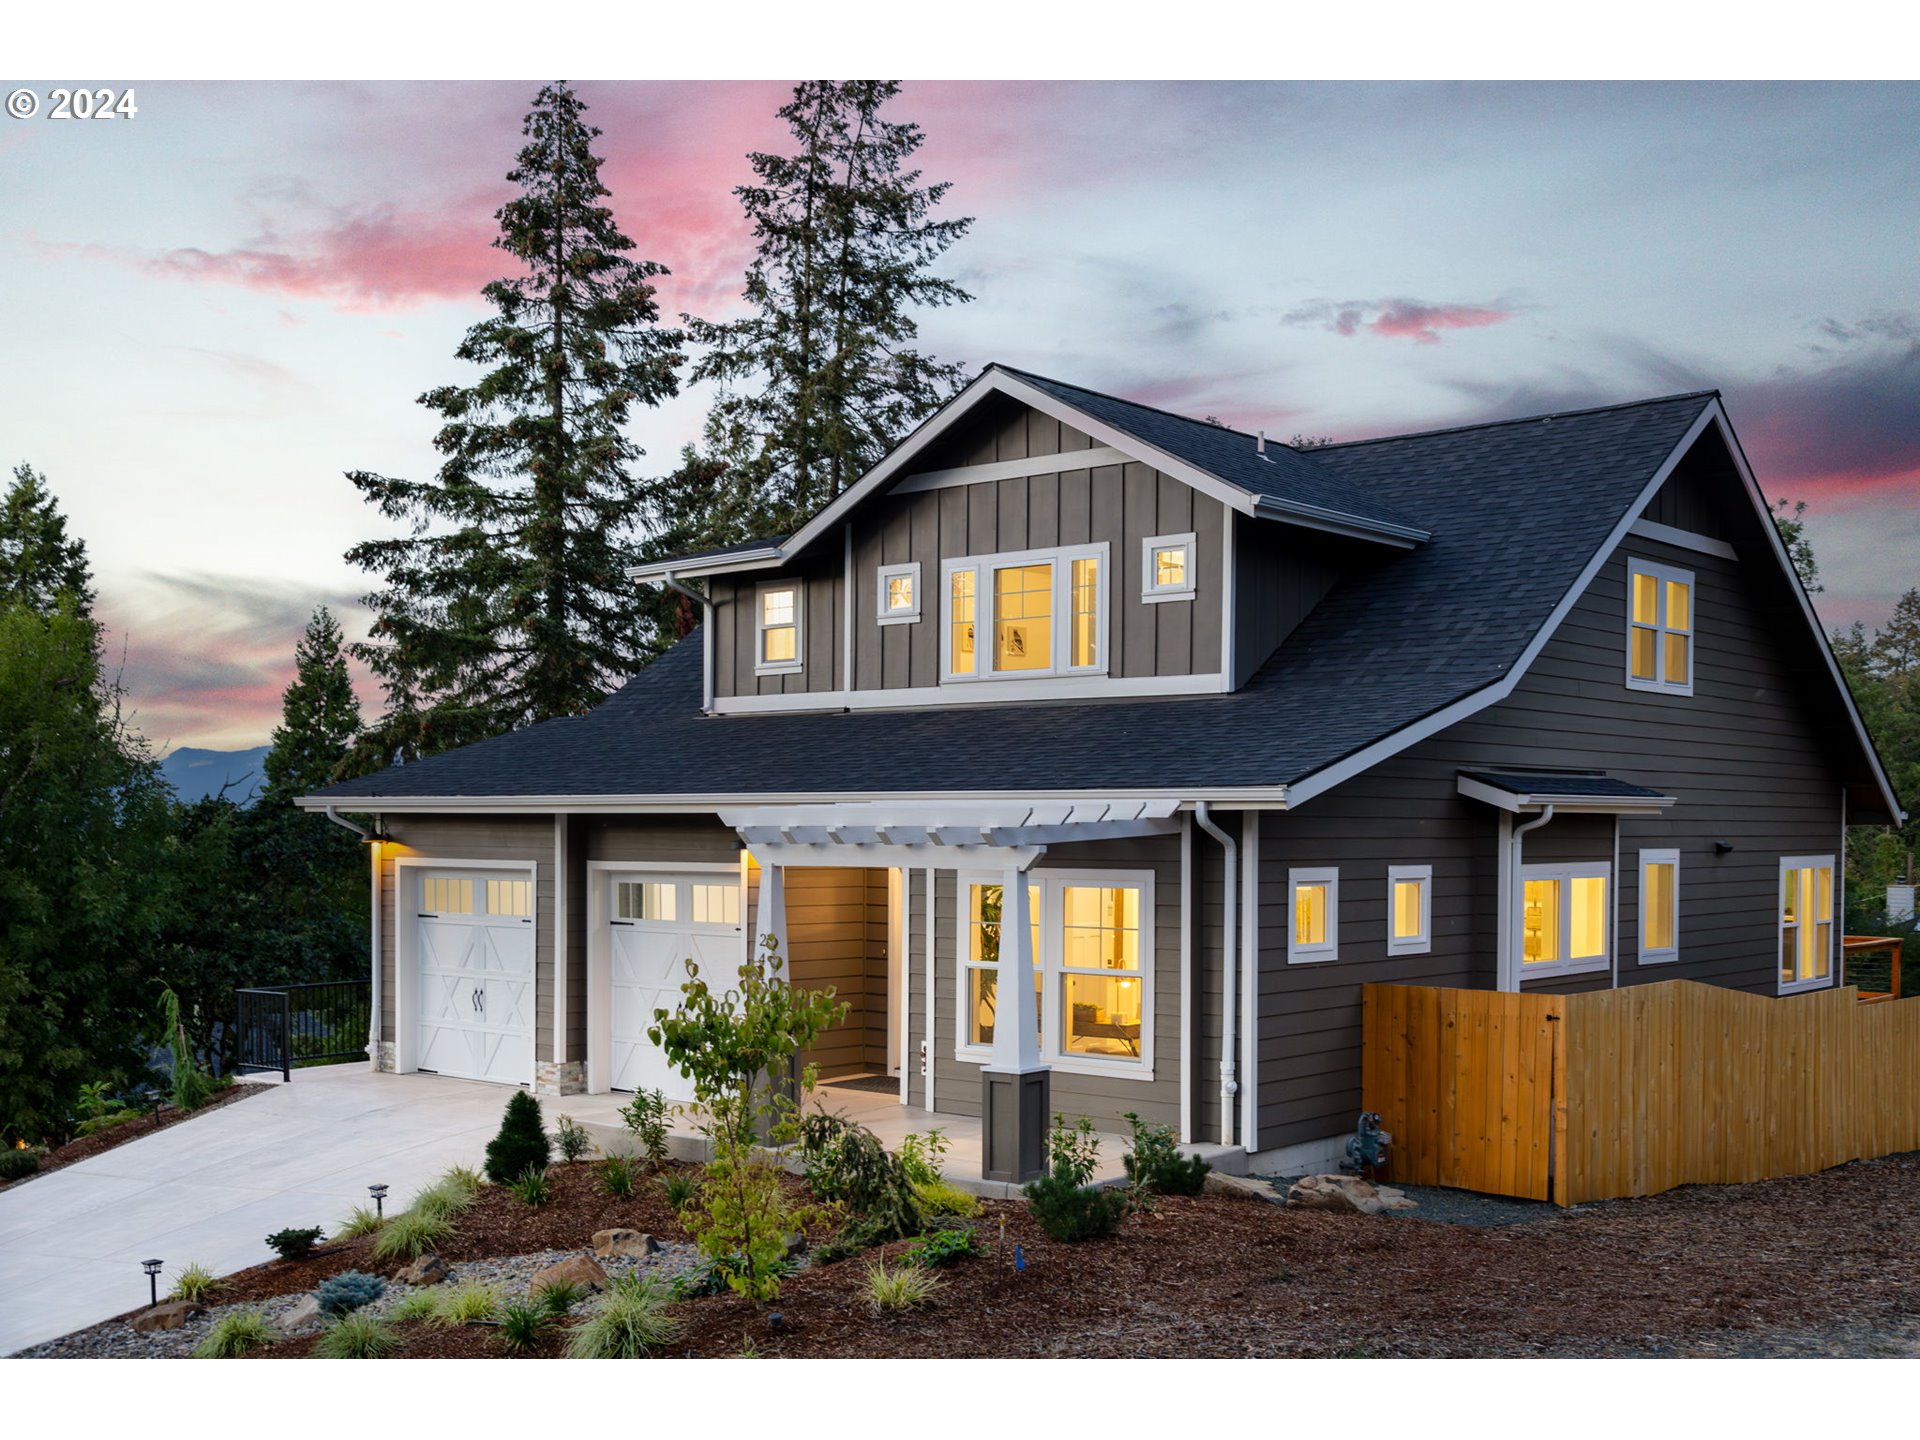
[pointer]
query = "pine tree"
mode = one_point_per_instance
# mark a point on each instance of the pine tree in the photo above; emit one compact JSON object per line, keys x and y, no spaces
{"x":1896,"y":647}
{"x":508,"y":603}
{"x":1790,"y":519}
{"x":37,"y":560}
{"x":319,"y":714}
{"x":820,"y":379}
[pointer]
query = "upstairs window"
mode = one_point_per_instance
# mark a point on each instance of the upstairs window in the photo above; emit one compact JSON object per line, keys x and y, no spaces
{"x":1167,"y":568}
{"x":900,"y":593}
{"x":1659,"y":628}
{"x":777,"y":630}
{"x":1032,"y":613}
{"x":1806,"y":922}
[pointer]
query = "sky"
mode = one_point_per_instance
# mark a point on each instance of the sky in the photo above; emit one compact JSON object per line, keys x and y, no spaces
{"x":212,"y":311}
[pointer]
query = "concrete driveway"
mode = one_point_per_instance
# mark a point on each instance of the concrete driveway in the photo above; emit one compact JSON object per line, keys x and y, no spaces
{"x":211,"y":1189}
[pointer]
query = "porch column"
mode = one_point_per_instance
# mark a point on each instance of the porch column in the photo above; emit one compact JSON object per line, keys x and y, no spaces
{"x":772,"y":919}
{"x":1015,"y":1088}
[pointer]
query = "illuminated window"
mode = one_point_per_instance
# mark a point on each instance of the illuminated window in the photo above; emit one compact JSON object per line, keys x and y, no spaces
{"x":1659,"y":628}
{"x":1100,"y":969}
{"x":777,"y":630}
{"x":1409,"y":909}
{"x":1313,"y":930}
{"x":1046,"y":614}
{"x":645,"y":900}
{"x":446,"y":895}
{"x":1564,"y":921}
{"x":899,"y":592}
{"x":1659,"y":906}
{"x":716,"y":904}
{"x":1806,"y":922}
{"x":509,"y":897}
{"x":1167,"y":568}
{"x":982,"y":963}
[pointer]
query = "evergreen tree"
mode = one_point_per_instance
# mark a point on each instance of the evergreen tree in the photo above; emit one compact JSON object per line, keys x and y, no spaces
{"x":37,"y":560}
{"x":1790,"y":519}
{"x":508,"y":603}
{"x":820,"y":378}
{"x":1896,"y":648}
{"x":320,"y":715}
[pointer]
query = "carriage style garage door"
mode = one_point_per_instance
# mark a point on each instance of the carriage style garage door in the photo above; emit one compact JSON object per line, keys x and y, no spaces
{"x":476,"y":974}
{"x":657,"y":919}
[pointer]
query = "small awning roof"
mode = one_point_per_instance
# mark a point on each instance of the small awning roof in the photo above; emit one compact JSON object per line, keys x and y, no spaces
{"x":1590,"y":791}
{"x":945,"y":833}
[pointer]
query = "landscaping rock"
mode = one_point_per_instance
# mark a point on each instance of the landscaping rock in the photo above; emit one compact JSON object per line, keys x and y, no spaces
{"x":427,"y":1270}
{"x":578,"y":1270}
{"x":1345,"y":1192}
{"x":630,"y":1243}
{"x":170,"y":1316}
{"x":304,"y":1314}
{"x":1220,"y":1184}
{"x":796,"y":1246}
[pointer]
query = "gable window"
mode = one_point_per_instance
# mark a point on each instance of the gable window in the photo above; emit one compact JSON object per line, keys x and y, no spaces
{"x":1313,"y":929}
{"x":900,"y":593}
{"x":1563,"y":919}
{"x":777,"y":630}
{"x":1659,"y":628}
{"x":1031,"y":613}
{"x":1410,"y":909}
{"x":1167,"y":568}
{"x":1806,"y":922}
{"x":1659,"y":906}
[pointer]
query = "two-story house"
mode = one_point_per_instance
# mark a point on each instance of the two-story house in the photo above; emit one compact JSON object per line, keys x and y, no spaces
{"x":1164,"y":737}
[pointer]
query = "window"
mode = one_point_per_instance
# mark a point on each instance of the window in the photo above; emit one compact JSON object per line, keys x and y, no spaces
{"x":509,"y":897}
{"x":900,"y":593}
{"x":1045,"y":614}
{"x":1166,"y":568}
{"x":645,"y":900}
{"x":1313,"y":920}
{"x":1092,"y":968}
{"x":1806,"y":922}
{"x":716,"y":904}
{"x":777,"y":630}
{"x":1563,"y":919}
{"x":445,"y":895}
{"x":1409,"y":909}
{"x":1659,"y":628}
{"x":1659,"y":906}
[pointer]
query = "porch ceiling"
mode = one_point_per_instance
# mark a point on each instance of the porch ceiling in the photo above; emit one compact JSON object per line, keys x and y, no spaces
{"x":869,"y":833}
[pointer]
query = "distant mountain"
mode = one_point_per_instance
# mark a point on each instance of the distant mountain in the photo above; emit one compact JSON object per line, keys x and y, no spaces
{"x":195,"y":774}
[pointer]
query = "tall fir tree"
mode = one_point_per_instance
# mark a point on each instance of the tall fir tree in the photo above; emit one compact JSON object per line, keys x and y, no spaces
{"x":508,"y":603}
{"x":319,"y":714}
{"x":38,"y":562}
{"x":821,"y":378}
{"x":1896,"y":647}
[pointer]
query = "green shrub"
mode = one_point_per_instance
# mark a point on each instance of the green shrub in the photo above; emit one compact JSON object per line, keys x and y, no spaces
{"x":363,"y":1220}
{"x":1067,"y":1211}
{"x":942,"y":1247}
{"x":348,"y":1291}
{"x":681,"y":1186}
{"x":522,"y":1143}
{"x":98,"y":1123}
{"x":646,"y":1116}
{"x":571,"y":1139}
{"x":712,"y":1276}
{"x":192,"y":1086}
{"x":521,"y":1326}
{"x":98,"y":1102}
{"x":1073,"y":1152}
{"x":468,"y":1301}
{"x":920,"y":1156}
{"x":18,"y":1163}
{"x":195,"y":1283}
{"x":617,"y":1175}
{"x":463,"y":1178}
{"x":632,"y":1318}
{"x":532,"y":1188}
{"x":234,"y":1334}
{"x":1155,"y":1164}
{"x":901,"y":1289}
{"x":943,"y":1197}
{"x":846,"y":1162}
{"x":414,"y":1305}
{"x":357,"y":1337}
{"x":409,"y":1236}
{"x":294,"y":1244}
{"x":559,"y":1297}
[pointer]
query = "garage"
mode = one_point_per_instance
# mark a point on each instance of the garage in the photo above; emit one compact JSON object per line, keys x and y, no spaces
{"x":656,"y":920}
{"x":474,"y":951}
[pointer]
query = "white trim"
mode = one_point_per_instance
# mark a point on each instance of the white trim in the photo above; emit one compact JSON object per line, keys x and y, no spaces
{"x":1186,"y":978}
{"x":911,"y":570}
{"x":1662,"y":576}
{"x":761,"y":666}
{"x":560,"y":950}
{"x":899,"y":975}
{"x":1568,"y":804}
{"x":990,"y":690}
{"x":1152,"y":593}
{"x":1834,"y":923}
{"x":1230,"y":676}
{"x":1666,"y":954}
{"x":760,"y":557}
{"x":1249,"y":1079}
{"x":1683,"y":539}
{"x":406,"y":955}
{"x":931,"y":1060}
{"x":1059,"y":463}
{"x":1564,"y":873}
{"x":1329,"y":948}
{"x":1315,"y":517}
{"x":1254,"y":797}
{"x":1060,"y":560}
{"x":1421,"y":943}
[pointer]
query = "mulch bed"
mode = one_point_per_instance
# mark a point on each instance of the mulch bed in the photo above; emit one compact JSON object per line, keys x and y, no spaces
{"x":115,"y":1136}
{"x":1226,"y":1275}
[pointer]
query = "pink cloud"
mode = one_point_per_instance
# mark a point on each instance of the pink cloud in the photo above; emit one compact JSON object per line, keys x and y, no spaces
{"x":1420,"y":321}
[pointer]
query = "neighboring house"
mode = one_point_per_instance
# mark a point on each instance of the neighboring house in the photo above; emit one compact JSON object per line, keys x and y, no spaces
{"x":1166,"y":738}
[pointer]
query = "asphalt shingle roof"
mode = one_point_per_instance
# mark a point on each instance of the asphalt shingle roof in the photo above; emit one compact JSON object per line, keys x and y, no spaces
{"x":1516,"y":511}
{"x":1516,"y":782}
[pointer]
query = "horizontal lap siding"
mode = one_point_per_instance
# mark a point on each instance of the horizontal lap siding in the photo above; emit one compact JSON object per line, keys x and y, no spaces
{"x":878,"y":973}
{"x":827,"y":949}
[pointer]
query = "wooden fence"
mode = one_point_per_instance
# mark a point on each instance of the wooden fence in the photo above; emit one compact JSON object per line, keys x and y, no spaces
{"x":1633,"y":1091}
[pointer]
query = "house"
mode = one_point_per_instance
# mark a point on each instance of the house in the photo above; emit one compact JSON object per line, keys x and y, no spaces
{"x":1169,"y":737}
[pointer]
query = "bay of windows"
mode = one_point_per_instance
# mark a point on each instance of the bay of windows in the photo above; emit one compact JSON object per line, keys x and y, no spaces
{"x":1030,"y":613}
{"x":1806,"y":922}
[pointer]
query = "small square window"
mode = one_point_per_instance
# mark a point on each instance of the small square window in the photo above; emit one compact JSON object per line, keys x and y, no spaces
{"x":1313,"y":929}
{"x":899,"y":592}
{"x":1409,"y":909}
{"x":1167,"y":568}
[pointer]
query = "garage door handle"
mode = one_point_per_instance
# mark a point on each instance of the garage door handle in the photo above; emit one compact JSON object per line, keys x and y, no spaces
{"x":480,"y":1001}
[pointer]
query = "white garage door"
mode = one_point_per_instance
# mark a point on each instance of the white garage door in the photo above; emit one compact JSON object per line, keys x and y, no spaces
{"x":657,"y":920}
{"x":476,"y":975}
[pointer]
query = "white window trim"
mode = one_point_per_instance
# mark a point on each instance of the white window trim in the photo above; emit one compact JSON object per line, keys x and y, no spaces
{"x":1153,"y":594}
{"x":1414,"y":944}
{"x":1566,"y":874}
{"x":762,"y":666}
{"x":1667,"y":954}
{"x":1329,"y":949}
{"x":911,"y":569}
{"x":1662,"y":574}
{"x":1061,"y":557}
{"x":1048,"y":965}
{"x":1832,"y":977}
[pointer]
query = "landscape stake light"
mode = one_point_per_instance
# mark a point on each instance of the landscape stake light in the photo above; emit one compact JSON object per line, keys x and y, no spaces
{"x":152,"y":1267}
{"x":379,"y":1193}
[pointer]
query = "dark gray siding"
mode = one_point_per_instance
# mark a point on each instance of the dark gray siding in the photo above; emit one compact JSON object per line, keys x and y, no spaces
{"x":1280,"y":573}
{"x":736,"y":634}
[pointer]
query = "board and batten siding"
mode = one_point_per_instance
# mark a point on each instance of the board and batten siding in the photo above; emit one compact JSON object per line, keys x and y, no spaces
{"x":1280,"y":572}
{"x":736,"y":615}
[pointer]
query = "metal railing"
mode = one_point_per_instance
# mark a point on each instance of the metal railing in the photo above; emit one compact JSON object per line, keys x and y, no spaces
{"x":283,"y":1027}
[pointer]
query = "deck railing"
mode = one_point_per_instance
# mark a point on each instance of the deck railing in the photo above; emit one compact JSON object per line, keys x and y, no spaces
{"x":1873,"y":965}
{"x":284,"y":1027}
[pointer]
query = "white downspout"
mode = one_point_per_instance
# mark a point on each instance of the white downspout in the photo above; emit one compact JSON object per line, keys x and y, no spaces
{"x":1518,"y":892}
{"x":1229,"y":967}
{"x":706,"y":637}
{"x":371,"y":840}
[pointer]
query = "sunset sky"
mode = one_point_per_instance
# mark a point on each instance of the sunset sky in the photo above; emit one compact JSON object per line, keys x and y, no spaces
{"x":211,"y":312}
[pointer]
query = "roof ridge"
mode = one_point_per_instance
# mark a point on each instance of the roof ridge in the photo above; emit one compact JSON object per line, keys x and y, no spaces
{"x":1123,"y":400}
{"x":1523,"y":419}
